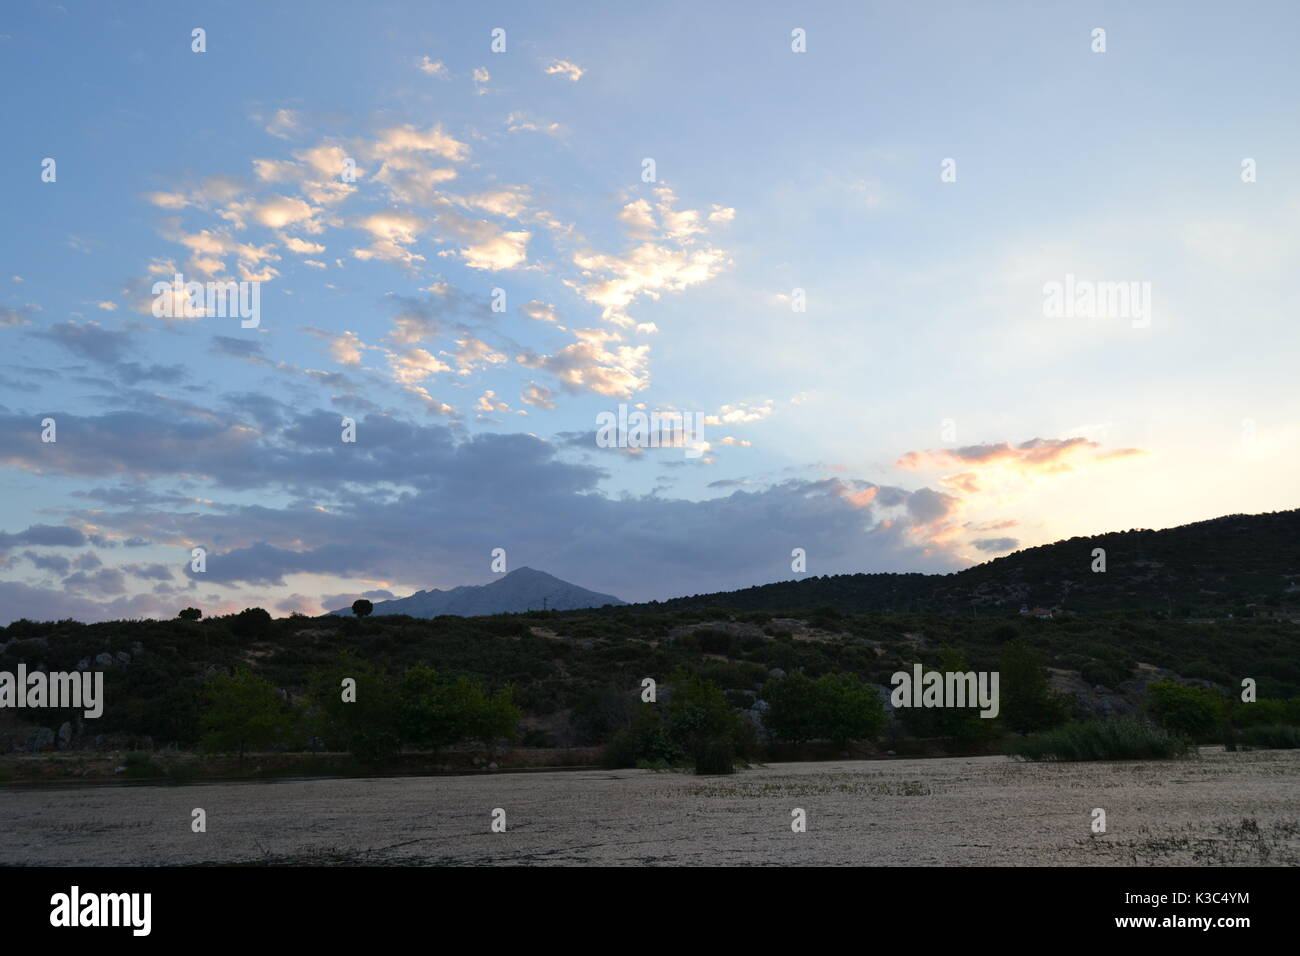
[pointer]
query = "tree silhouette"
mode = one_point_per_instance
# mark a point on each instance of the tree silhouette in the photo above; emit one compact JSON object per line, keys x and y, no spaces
{"x":361,"y":607}
{"x":190,"y":614}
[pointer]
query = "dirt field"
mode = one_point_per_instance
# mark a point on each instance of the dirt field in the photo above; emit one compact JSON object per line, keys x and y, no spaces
{"x":1219,"y":808}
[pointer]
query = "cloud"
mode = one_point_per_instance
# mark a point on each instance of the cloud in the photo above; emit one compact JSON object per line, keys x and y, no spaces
{"x":393,"y":232}
{"x":407,"y":139}
{"x":996,"y":544}
{"x":591,"y":364}
{"x":88,"y":340}
{"x":11,"y":317}
{"x":568,"y":70}
{"x":504,"y":251}
{"x":539,"y":396}
{"x":433,"y":68}
{"x":283,"y":124}
{"x":1043,"y":455}
{"x":539,"y":310}
{"x":670,"y":260}
{"x":519,"y":122}
{"x":742,"y":413}
{"x":43,"y":535}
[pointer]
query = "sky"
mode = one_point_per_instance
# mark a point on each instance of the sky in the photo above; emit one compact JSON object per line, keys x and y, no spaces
{"x":832,"y":235}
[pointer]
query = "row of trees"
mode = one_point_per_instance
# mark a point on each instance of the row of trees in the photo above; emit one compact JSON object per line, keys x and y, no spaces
{"x":356,"y":707}
{"x":1204,"y":714}
{"x":697,"y":724}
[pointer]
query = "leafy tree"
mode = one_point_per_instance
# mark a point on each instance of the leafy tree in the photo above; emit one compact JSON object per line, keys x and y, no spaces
{"x":368,"y":727}
{"x":362,"y":608}
{"x":846,"y":709}
{"x":244,"y":712}
{"x":964,"y":724}
{"x":495,"y":718}
{"x":1027,"y":702}
{"x":251,"y":623}
{"x":190,"y":614}
{"x":702,"y":723}
{"x":791,"y":708}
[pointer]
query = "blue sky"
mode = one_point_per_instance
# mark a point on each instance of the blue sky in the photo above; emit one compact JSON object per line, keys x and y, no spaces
{"x":922,"y":413}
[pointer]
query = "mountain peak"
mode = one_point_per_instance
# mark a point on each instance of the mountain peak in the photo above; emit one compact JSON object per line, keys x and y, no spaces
{"x":523,"y":589}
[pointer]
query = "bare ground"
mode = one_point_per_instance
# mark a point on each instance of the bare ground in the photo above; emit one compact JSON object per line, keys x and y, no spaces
{"x":1216,"y":809}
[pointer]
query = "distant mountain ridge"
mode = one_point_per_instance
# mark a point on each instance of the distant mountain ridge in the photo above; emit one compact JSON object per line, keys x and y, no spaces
{"x":1213,"y":567}
{"x":523,"y":589}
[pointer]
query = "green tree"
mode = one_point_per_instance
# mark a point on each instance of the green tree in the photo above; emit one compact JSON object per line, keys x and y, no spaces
{"x":846,"y":709}
{"x":1027,"y":702}
{"x":244,"y":712}
{"x":703,"y":724}
{"x":791,"y":708}
{"x":369,"y":726}
{"x":495,"y":718}
{"x":434,"y":711}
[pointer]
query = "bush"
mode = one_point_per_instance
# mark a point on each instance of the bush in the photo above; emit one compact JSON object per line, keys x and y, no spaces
{"x":1271,"y":737}
{"x":1123,"y":738}
{"x":1195,"y":712}
{"x":139,"y":765}
{"x":646,"y":740}
{"x":716,"y":756}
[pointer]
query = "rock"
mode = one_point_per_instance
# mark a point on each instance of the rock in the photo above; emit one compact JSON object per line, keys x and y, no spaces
{"x":42,"y":738}
{"x":123,"y":658}
{"x":776,"y":672}
{"x":492,"y":766}
{"x":120,"y":770}
{"x":83,"y":664}
{"x":65,"y":735}
{"x":137,"y":647}
{"x":104,"y":660}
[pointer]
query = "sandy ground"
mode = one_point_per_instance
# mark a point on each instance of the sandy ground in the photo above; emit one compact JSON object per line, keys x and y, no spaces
{"x":1219,"y":808}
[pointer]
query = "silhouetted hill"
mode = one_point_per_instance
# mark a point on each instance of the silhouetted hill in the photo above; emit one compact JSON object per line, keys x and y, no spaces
{"x":523,"y":589}
{"x":1208,"y":568}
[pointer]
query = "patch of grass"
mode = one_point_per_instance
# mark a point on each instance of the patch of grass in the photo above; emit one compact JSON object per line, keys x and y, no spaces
{"x":1122,"y":738}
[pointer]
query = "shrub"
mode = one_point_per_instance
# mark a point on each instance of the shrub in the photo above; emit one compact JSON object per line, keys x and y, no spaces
{"x":1271,"y":737}
{"x":1123,"y":738}
{"x":1195,"y":712}
{"x":646,"y":740}
{"x":716,"y":756}
{"x":140,"y":765}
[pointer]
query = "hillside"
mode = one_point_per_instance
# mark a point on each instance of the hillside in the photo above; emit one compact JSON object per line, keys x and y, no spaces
{"x":1208,"y":569}
{"x":576,"y":674}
